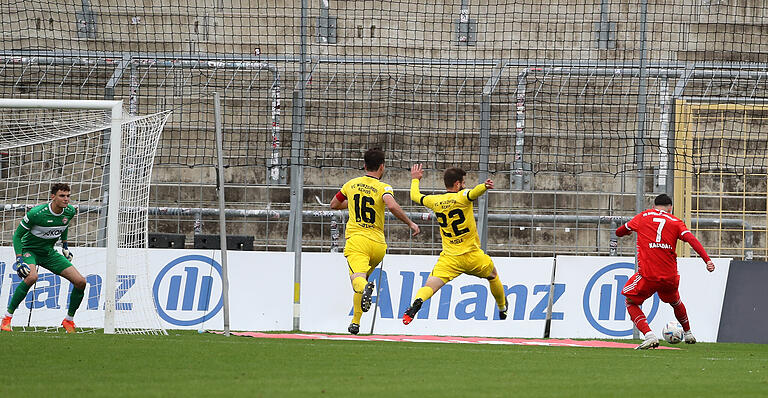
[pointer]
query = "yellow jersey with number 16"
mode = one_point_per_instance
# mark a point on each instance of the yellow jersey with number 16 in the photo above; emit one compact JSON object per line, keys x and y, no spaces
{"x":366,"y":207}
{"x":455,"y":215}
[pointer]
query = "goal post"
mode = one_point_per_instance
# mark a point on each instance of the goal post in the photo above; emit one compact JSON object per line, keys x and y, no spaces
{"x":720,"y":149}
{"x":106,"y":156}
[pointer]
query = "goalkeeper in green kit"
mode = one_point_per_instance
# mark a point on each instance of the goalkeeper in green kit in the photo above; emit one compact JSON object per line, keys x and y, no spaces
{"x":33,"y":242}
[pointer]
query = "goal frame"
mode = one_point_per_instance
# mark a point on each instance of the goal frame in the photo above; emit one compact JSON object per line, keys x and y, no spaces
{"x":113,"y":194}
{"x":686,"y":175}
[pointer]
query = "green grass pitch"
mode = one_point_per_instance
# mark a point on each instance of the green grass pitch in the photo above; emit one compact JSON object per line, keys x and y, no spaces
{"x":186,"y":364}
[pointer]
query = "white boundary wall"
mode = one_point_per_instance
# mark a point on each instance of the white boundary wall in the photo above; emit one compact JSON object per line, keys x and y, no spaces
{"x":187,"y":289}
{"x":593,"y":307}
{"x":464,"y":307}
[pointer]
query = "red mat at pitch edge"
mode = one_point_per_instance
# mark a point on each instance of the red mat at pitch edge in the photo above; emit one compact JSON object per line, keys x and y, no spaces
{"x":441,"y":339}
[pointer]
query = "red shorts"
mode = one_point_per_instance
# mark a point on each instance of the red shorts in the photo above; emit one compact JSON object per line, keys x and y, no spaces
{"x":638,"y":289}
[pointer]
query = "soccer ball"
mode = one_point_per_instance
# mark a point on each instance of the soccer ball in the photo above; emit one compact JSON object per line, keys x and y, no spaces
{"x":673,"y":332}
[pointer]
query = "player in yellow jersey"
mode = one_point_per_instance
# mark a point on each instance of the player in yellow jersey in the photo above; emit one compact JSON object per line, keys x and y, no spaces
{"x":366,"y":197}
{"x":461,"y":244}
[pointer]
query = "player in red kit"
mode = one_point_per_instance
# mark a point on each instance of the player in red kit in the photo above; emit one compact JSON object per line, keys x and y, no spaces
{"x":657,"y":234}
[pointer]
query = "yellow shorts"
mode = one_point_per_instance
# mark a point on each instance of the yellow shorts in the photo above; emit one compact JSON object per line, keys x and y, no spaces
{"x":363,"y":254}
{"x":475,"y":263}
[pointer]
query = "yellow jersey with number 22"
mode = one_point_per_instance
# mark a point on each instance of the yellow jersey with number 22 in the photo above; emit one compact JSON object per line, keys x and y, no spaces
{"x":455,"y":215}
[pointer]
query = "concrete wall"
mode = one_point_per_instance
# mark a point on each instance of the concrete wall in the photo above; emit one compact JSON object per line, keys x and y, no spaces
{"x":579,"y":129}
{"x":528,"y":30}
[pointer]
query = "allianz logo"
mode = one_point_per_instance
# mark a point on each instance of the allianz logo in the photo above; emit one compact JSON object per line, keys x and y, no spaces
{"x":474,"y":301}
{"x":604,"y":305}
{"x":188,"y":290}
{"x":49,"y":294}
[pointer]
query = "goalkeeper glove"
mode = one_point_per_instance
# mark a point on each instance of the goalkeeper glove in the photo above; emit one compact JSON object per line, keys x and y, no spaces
{"x":21,"y":269}
{"x":65,"y":251}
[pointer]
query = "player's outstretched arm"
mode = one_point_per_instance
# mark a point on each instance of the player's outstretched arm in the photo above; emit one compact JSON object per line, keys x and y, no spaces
{"x":699,"y":248}
{"x":417,"y":172}
{"x":339,"y":201}
{"x":17,"y":235}
{"x":622,"y":230}
{"x":65,"y":245}
{"x":627,"y":228}
{"x":480,"y":189}
{"x":395,"y":208}
{"x":65,"y":250}
{"x":21,"y":269}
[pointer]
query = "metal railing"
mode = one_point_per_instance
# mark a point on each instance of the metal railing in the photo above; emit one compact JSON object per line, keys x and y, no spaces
{"x":338,"y":217}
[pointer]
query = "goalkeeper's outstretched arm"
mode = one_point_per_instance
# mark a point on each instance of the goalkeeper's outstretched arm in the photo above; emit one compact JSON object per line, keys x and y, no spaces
{"x":65,"y":245}
{"x":20,"y":232}
{"x":21,"y":269}
{"x":64,"y":235}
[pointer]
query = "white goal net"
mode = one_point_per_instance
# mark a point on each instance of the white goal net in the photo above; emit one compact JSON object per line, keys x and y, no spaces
{"x":44,"y":142}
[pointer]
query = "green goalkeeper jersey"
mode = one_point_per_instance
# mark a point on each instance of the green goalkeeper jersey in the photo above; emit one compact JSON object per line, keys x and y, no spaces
{"x":42,"y":228}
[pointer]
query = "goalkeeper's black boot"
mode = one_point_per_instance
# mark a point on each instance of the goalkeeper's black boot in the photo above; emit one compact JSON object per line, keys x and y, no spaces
{"x":354,"y":328}
{"x":365,"y":302}
{"x":410,"y":313}
{"x":503,"y":313}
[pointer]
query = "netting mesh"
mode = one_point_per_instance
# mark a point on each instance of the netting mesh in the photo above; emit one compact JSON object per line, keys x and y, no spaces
{"x":546,"y":96}
{"x":44,"y":146}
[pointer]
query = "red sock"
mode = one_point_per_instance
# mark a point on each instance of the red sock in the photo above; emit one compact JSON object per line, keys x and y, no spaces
{"x":638,"y":317}
{"x":682,"y":315}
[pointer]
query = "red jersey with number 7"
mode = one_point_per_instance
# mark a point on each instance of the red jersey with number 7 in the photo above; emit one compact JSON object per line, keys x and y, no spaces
{"x":657,"y":235}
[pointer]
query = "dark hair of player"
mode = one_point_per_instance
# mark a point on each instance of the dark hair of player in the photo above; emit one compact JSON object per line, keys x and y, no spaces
{"x":453,"y":174}
{"x":662,"y":200}
{"x":59,"y":186}
{"x":374,"y":158}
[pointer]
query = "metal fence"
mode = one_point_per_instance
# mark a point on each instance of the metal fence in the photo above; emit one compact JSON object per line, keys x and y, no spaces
{"x":581,"y":111}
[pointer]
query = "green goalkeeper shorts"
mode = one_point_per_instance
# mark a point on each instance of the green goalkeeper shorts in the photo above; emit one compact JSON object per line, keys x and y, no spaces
{"x":51,"y":260}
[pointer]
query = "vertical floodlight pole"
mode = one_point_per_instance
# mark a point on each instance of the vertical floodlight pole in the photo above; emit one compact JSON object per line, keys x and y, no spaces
{"x":518,"y":179}
{"x":641,"y":109}
{"x":297,"y":170}
{"x":222,"y":213}
{"x":485,"y":149}
{"x":482,"y":203}
{"x":665,"y":105}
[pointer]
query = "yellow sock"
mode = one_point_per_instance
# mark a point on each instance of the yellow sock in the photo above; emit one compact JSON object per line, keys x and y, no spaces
{"x":358,"y":310}
{"x":358,"y":284}
{"x":424,"y":293}
{"x":497,"y":290}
